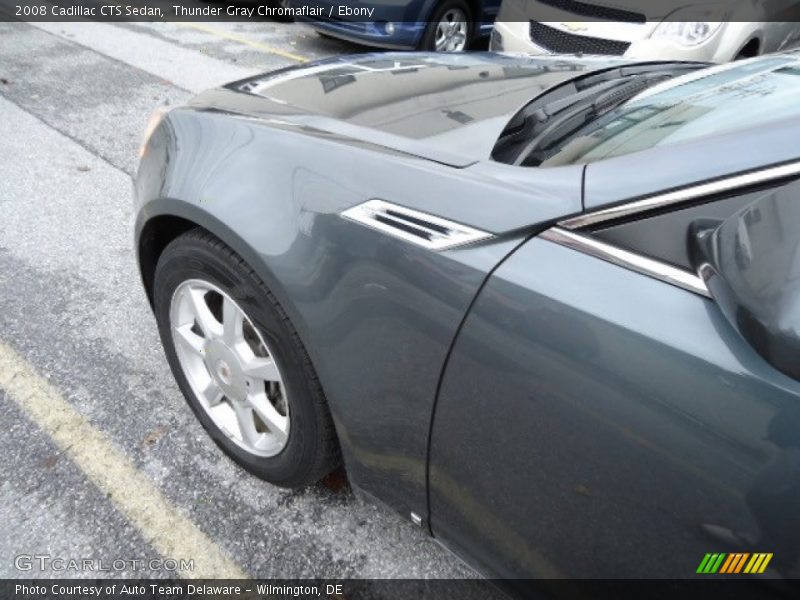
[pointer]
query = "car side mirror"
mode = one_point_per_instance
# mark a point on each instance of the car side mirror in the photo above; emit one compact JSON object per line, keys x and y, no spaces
{"x":750,"y":263}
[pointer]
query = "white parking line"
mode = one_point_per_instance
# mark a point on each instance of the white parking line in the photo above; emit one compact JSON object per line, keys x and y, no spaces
{"x":185,"y":68}
{"x":170,"y":532}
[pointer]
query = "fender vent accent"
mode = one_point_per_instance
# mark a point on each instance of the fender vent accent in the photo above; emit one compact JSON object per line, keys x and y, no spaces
{"x":422,"y":229}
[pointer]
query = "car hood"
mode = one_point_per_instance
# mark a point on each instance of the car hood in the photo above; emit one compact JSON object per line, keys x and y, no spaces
{"x":449,"y":108}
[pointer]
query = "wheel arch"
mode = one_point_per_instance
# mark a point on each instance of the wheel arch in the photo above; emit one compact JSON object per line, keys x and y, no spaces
{"x":155,"y":236}
{"x":751,"y":48}
{"x":166,"y":219}
{"x":476,"y":7}
{"x":741,"y":40}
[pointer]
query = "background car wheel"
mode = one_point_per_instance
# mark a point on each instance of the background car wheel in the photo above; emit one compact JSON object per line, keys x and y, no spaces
{"x":240,"y":364}
{"x":449,"y":28}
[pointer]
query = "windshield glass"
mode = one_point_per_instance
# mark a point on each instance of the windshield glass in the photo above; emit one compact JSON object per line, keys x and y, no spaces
{"x":742,"y":95}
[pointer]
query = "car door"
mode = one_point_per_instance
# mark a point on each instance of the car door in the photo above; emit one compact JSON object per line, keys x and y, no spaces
{"x":598,"y":416}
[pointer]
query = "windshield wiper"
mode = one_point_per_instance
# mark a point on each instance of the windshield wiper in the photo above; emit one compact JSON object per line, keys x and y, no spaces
{"x":524,"y":123}
{"x":549,"y":113}
{"x":571,"y":120}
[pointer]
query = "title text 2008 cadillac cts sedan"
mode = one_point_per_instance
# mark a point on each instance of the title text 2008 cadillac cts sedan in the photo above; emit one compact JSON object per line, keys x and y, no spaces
{"x":546,"y":308}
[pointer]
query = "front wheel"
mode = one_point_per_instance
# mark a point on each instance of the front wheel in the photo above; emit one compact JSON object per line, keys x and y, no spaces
{"x":240,"y":364}
{"x":449,"y":29}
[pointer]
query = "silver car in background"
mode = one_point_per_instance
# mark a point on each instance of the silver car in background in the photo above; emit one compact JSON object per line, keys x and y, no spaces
{"x":720,"y":34}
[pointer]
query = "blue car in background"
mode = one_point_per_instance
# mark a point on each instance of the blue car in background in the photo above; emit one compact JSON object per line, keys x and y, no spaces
{"x":443,"y":25}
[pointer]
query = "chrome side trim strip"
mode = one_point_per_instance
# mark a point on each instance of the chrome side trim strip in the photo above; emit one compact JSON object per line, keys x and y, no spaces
{"x":422,"y":229}
{"x":629,"y":260}
{"x":682,"y":195}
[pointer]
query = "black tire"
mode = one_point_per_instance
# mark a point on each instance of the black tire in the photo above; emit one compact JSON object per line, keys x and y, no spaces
{"x":311,"y":450}
{"x":428,"y":41}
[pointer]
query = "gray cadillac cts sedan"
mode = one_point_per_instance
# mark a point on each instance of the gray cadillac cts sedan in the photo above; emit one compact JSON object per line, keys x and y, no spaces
{"x":546,"y":308}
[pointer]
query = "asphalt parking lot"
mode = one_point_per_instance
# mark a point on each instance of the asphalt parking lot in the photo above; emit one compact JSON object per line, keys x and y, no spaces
{"x":102,"y":458}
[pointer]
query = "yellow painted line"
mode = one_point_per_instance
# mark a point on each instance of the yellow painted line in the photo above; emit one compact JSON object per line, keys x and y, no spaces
{"x":233,"y":38}
{"x":170,"y":532}
{"x":242,"y":40}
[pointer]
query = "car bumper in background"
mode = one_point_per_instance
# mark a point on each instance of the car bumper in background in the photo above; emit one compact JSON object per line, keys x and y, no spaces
{"x":513,"y":37}
{"x":661,"y":49}
{"x":516,"y":37}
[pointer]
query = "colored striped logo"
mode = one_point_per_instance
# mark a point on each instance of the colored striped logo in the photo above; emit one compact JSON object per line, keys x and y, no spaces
{"x":737,"y":562}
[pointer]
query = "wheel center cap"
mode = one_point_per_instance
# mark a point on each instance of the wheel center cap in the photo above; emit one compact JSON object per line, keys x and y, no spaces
{"x":224,"y":372}
{"x":225,"y":367}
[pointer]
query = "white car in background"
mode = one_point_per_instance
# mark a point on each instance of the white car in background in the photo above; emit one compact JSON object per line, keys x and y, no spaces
{"x":719,"y":34}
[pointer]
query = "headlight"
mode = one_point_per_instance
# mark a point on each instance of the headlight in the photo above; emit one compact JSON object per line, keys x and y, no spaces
{"x":389,"y":27}
{"x":687,"y":33}
{"x":681,"y":27}
{"x":155,"y":120}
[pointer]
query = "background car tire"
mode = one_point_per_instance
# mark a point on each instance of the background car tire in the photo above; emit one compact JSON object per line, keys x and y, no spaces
{"x":311,"y":450}
{"x":428,"y":41}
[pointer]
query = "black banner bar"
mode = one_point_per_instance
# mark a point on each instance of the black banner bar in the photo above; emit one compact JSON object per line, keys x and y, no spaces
{"x":395,"y":589}
{"x":634,"y":11}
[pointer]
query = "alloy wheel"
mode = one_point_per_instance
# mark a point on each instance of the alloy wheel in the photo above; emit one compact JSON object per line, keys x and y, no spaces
{"x":230,"y":368}
{"x":451,"y":31}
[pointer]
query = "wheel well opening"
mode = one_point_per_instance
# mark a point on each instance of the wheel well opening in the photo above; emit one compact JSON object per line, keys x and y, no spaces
{"x":156,"y":235}
{"x":750,"y":49}
{"x":475,"y":9}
